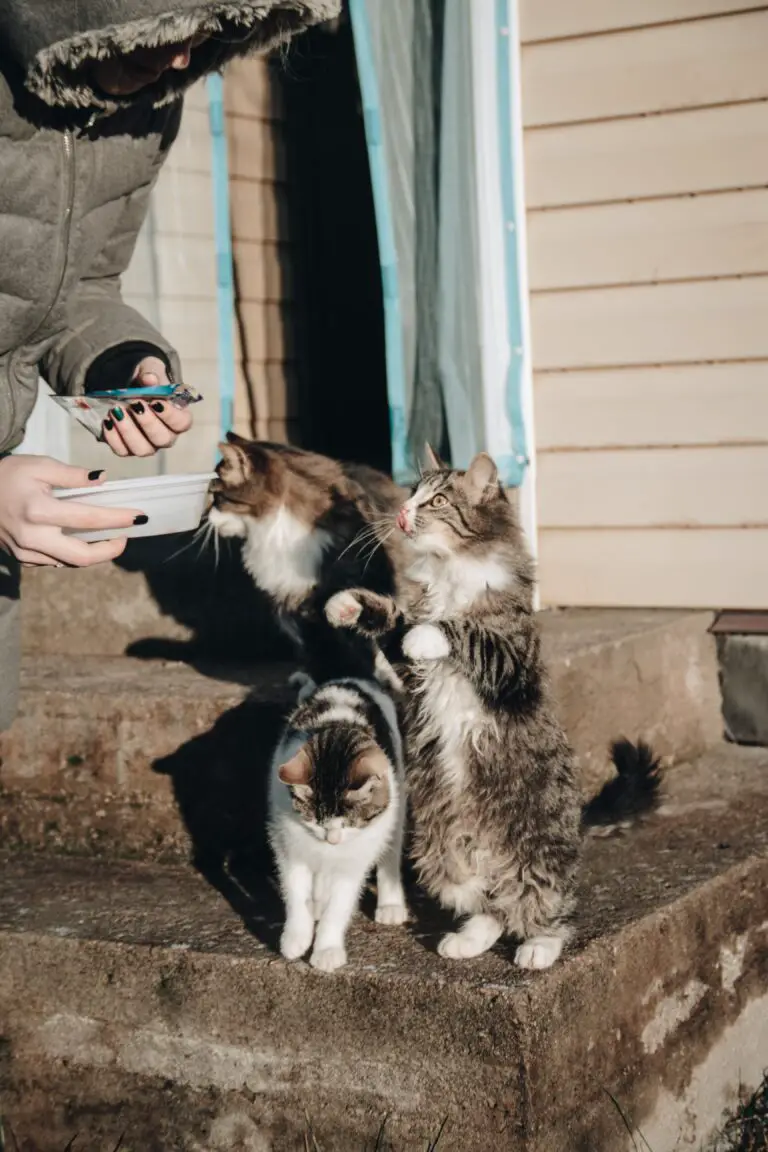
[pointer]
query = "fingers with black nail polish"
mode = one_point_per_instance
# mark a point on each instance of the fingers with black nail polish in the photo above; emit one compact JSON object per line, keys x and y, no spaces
{"x":157,"y":406}
{"x":137,"y":407}
{"x":96,"y":475}
{"x":109,"y":424}
{"x":141,"y":519}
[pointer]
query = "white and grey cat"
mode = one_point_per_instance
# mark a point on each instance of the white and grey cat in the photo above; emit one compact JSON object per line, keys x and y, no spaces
{"x":337,"y":810}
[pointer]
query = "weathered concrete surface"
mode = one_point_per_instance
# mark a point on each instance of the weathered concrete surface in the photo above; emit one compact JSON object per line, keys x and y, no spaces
{"x":633,"y":672}
{"x":135,"y":999}
{"x":744,"y":684}
{"x":79,"y":770}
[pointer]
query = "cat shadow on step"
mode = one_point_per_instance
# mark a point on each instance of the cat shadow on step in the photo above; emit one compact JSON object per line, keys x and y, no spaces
{"x":210,"y":614}
{"x":219,"y":781}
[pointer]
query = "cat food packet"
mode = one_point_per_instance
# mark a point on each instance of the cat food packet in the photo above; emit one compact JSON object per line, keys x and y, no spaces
{"x":92,"y":410}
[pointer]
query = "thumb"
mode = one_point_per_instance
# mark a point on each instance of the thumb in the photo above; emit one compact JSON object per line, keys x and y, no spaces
{"x":60,"y":475}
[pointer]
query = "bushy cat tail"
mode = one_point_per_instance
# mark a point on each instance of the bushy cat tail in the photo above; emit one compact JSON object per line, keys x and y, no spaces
{"x":634,"y":792}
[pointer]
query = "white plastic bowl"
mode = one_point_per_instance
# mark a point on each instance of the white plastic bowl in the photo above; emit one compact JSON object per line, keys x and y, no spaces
{"x":172,"y":503}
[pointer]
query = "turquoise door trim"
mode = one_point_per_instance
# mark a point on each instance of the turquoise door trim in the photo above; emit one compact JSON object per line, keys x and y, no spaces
{"x":513,"y":467}
{"x":393,"y":330}
{"x":225,"y":284}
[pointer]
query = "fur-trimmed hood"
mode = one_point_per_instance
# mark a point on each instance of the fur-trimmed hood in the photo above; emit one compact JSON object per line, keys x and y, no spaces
{"x":49,"y":42}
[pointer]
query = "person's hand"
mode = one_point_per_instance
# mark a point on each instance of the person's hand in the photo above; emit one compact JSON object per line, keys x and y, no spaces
{"x":31,"y":519}
{"x":142,"y":426}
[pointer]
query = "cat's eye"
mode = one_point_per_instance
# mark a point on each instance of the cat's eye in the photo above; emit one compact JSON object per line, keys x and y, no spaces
{"x":438,"y":501}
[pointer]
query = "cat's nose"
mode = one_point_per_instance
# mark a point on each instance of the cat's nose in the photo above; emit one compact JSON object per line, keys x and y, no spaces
{"x":402,"y":521}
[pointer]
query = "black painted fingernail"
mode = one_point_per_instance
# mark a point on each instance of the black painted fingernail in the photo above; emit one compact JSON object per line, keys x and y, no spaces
{"x":157,"y":406}
{"x":95,"y":475}
{"x":109,"y":424}
{"x":118,"y":413}
{"x":137,"y":407}
{"x":142,"y":519}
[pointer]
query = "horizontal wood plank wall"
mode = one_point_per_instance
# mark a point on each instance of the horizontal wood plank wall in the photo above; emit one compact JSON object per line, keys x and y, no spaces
{"x":172,"y":281}
{"x":266,"y":395}
{"x":646,"y":151}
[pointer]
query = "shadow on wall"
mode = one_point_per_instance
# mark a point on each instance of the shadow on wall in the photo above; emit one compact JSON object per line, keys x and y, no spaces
{"x":208,"y":592}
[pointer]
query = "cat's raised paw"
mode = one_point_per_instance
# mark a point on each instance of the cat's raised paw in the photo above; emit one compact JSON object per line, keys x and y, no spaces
{"x":343,"y":610}
{"x":538,"y":952}
{"x":426,"y":642}
{"x":391,"y":914}
{"x":295,"y":940}
{"x":328,"y":959}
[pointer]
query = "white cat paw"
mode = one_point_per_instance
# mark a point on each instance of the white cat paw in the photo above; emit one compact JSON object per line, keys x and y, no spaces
{"x":391,"y":914}
{"x":295,"y":940}
{"x":343,"y":610}
{"x":328,"y":959}
{"x":456,"y":946}
{"x":538,"y":952}
{"x":426,"y":642}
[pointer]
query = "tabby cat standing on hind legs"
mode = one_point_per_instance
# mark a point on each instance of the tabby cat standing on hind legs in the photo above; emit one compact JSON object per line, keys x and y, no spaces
{"x":495,"y":806}
{"x":310,"y":527}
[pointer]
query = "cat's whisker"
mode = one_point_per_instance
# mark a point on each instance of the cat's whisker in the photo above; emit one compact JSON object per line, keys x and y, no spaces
{"x":364,"y":536}
{"x":201,"y":530}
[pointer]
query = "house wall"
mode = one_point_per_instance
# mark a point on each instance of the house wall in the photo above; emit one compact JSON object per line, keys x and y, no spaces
{"x":172,"y":277}
{"x":266,"y":395}
{"x":172,"y":281}
{"x":646,"y":156}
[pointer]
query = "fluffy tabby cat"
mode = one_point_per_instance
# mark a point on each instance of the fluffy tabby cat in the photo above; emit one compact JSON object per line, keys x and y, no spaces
{"x":496,"y":810}
{"x":336,"y":811}
{"x":310,"y":526}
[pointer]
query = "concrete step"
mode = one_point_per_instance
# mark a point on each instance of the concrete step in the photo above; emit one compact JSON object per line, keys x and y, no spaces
{"x":132,"y":756}
{"x":167,"y":596}
{"x":138,"y":999}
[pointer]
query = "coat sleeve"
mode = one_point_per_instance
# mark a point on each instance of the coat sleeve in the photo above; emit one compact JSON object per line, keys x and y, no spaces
{"x":98,"y":319}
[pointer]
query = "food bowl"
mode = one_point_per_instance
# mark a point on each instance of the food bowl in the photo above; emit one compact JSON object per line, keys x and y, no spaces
{"x":171,"y":503}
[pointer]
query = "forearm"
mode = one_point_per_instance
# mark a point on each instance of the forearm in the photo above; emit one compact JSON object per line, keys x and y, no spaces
{"x":100,"y":324}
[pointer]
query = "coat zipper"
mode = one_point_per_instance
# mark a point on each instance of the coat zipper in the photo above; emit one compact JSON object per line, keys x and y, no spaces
{"x":69,"y":162}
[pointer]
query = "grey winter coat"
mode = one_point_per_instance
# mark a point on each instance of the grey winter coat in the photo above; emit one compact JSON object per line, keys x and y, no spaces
{"x":76,"y":171}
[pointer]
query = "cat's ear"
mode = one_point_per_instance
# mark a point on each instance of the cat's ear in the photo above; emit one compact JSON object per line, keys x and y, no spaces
{"x":297,"y":771}
{"x":238,"y":441}
{"x":481,"y":477}
{"x":369,"y":778}
{"x":434,"y":463}
{"x":235,"y":467}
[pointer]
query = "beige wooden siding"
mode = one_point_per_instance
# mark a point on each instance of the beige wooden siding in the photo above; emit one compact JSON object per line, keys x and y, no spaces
{"x":646,"y":149}
{"x":265,"y":402}
{"x":172,"y":281}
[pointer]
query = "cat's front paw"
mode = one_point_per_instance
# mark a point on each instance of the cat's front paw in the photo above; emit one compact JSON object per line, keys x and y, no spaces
{"x":343,"y":610}
{"x":426,"y":642}
{"x":328,"y":959}
{"x":296,"y":939}
{"x":391,"y":914}
{"x":538,"y":952}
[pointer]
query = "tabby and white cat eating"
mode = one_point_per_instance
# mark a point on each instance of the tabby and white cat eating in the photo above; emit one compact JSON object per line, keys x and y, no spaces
{"x":337,"y":810}
{"x":311,"y":526}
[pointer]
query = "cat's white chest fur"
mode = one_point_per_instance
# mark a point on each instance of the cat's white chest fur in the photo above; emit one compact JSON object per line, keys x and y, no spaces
{"x":454,"y":711}
{"x":452,"y":583}
{"x":281,"y":552}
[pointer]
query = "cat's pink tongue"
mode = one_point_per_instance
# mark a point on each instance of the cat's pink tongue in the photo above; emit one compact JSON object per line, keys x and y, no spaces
{"x":402,"y":520}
